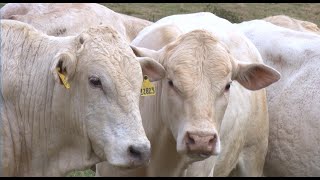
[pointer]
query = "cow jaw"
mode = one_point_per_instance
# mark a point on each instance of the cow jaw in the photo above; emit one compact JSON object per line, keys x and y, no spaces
{"x":125,"y":148}
{"x":116,"y":132}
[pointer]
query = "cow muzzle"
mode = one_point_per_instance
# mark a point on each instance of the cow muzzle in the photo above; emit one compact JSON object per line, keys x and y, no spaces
{"x":202,"y":145}
{"x":139,"y":155}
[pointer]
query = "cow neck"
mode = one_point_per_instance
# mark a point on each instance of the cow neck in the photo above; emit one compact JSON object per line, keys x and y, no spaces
{"x":161,"y":139}
{"x":40,"y":119}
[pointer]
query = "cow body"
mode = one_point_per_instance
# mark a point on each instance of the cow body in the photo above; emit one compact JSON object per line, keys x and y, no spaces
{"x":48,"y":127}
{"x":64,"y":19}
{"x":293,"y":102}
{"x":194,"y":100}
{"x":292,"y":23}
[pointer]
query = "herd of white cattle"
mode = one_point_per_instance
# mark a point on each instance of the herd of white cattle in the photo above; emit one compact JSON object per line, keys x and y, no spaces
{"x":230,"y":99}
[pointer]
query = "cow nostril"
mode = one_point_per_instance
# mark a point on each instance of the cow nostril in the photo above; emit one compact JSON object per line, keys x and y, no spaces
{"x":134,"y":152}
{"x":190,"y":140}
{"x":213,"y":139}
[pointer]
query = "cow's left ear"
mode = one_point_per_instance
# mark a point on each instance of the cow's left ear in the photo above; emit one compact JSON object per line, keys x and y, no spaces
{"x":63,"y":68}
{"x":254,"y":76}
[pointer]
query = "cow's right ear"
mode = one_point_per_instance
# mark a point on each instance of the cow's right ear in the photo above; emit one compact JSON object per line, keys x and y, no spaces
{"x":154,"y":70}
{"x":150,"y":67}
{"x":63,"y":68}
{"x":144,"y":52}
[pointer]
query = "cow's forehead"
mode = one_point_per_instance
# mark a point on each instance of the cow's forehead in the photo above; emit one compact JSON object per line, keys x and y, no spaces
{"x":107,"y":39}
{"x":119,"y":65}
{"x":103,"y":30}
{"x":104,"y":43}
{"x":198,"y":61}
{"x":196,"y":55}
{"x":104,"y":48}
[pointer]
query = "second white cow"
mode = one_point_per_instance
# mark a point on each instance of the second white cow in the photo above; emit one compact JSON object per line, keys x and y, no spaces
{"x":212,"y":101}
{"x":294,"y":102}
{"x":292,"y":23}
{"x":65,"y":19}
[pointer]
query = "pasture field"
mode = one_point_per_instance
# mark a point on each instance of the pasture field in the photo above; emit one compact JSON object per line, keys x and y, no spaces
{"x":86,"y":173}
{"x":234,"y":12}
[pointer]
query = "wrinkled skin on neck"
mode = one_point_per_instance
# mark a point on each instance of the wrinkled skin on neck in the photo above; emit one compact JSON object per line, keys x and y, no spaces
{"x":49,"y":130}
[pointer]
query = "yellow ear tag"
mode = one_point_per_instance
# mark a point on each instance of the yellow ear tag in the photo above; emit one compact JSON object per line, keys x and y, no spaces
{"x":147,"y":88}
{"x":63,"y":79}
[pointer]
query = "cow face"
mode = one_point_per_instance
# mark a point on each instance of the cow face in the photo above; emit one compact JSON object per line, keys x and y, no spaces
{"x":105,"y":79}
{"x":195,"y":92}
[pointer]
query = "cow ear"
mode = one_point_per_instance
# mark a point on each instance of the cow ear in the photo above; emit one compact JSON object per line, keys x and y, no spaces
{"x":254,"y":76}
{"x":144,"y":52}
{"x":154,"y":70}
{"x":150,"y":67}
{"x":64,"y":64}
{"x":63,"y":68}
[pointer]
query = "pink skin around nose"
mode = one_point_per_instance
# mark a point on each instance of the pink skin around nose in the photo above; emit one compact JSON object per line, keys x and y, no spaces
{"x":201,"y":144}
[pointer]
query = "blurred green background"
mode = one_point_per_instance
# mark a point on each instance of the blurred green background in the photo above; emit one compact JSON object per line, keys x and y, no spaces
{"x":234,"y":12}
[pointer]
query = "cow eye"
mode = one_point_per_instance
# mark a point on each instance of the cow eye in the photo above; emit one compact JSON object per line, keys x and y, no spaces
{"x":227,"y":87}
{"x":170,"y":83}
{"x":95,"y":82}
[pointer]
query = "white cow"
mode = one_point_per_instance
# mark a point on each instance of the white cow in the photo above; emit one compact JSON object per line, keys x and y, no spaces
{"x":198,"y":112}
{"x":70,"y":102}
{"x":292,"y":23}
{"x":64,"y":19}
{"x":294,"y":102}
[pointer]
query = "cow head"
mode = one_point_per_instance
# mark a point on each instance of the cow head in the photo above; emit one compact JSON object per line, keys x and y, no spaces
{"x":195,"y":92}
{"x":104,"y":78}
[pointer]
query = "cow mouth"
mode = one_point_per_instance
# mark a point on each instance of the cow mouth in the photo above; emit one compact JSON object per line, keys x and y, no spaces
{"x":198,"y":156}
{"x":132,"y":165}
{"x":204,"y":155}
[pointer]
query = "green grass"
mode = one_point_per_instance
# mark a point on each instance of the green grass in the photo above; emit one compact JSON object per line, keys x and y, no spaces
{"x":86,"y":173}
{"x":234,"y":12}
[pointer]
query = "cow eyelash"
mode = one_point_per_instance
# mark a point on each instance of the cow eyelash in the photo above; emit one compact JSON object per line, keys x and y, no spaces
{"x":95,"y":82}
